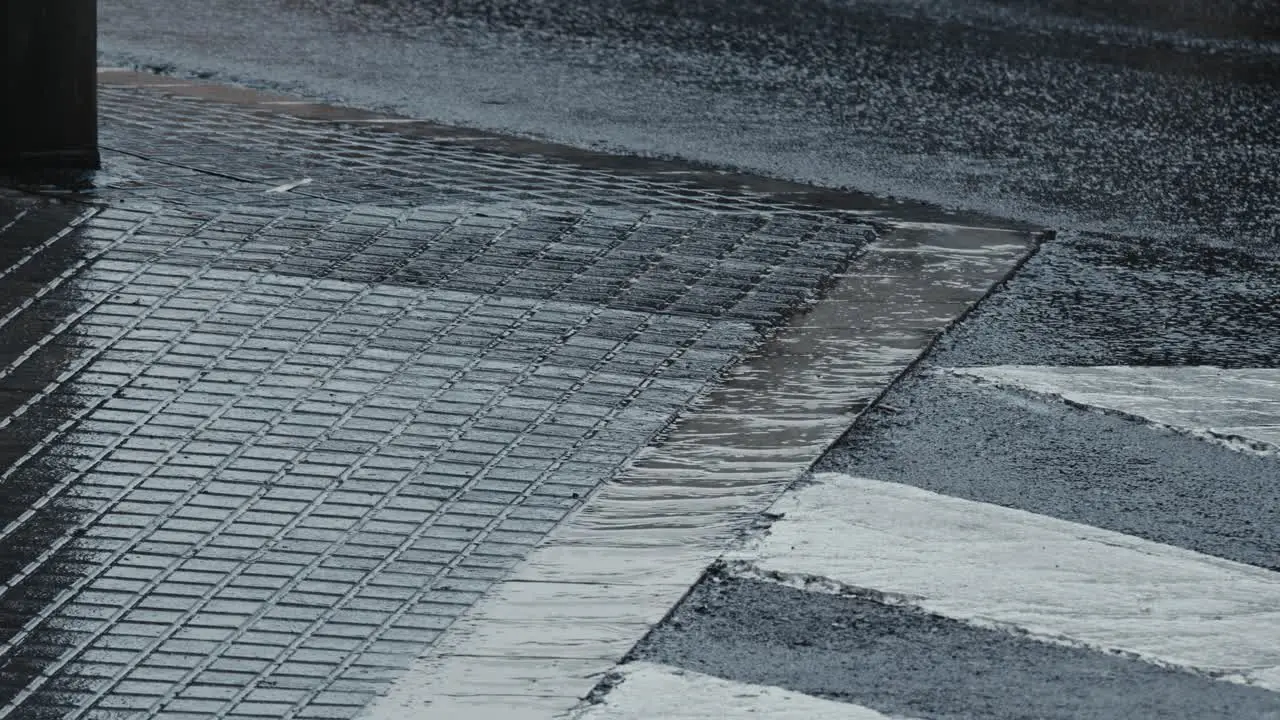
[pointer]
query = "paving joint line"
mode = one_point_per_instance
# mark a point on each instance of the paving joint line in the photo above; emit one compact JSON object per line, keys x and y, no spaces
{"x":510,"y":507}
{"x":247,"y":505}
{"x":71,"y":592}
{"x":69,"y":375}
{"x":410,"y":540}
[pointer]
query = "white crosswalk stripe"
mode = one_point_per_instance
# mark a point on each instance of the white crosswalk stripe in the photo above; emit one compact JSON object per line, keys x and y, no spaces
{"x":1239,"y":408}
{"x":985,"y":565}
{"x":1057,"y":580}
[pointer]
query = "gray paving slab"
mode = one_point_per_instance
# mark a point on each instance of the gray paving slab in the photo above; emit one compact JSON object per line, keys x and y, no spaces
{"x":262,"y":448}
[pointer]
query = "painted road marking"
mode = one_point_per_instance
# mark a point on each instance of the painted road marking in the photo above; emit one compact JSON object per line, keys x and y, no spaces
{"x":649,"y":690}
{"x":1236,"y":408}
{"x":541,"y":640}
{"x":1058,"y":580}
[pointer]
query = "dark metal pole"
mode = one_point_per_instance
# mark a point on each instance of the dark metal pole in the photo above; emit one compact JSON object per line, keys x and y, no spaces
{"x":49,"y":110}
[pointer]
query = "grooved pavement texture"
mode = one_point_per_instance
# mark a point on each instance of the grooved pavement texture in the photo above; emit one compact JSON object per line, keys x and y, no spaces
{"x":260,"y":448}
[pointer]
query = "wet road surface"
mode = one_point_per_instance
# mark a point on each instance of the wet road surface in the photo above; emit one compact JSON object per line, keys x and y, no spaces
{"x":1147,"y":140}
{"x":905,"y":662}
{"x":288,"y":398}
{"x":1016,"y":112}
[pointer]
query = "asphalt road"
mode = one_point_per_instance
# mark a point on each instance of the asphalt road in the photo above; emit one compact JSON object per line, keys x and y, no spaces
{"x":1007,"y":109}
{"x":1146,"y":134}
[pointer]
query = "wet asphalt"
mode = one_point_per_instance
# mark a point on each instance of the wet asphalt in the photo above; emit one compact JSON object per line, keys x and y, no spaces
{"x":906,"y":663}
{"x":1009,"y":449}
{"x":1004,"y":108}
{"x":1091,"y":299}
{"x":1147,"y":134}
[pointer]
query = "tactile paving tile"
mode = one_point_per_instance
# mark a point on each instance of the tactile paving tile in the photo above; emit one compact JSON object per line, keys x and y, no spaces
{"x":257,"y":456}
{"x":755,"y":268}
{"x":224,"y":154}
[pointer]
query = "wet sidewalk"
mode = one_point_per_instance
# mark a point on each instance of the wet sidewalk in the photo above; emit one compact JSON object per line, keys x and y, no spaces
{"x":293,"y":387}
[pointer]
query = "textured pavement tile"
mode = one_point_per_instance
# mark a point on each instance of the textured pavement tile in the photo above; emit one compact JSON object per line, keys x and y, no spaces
{"x":261,"y":448}
{"x":218,"y":155}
